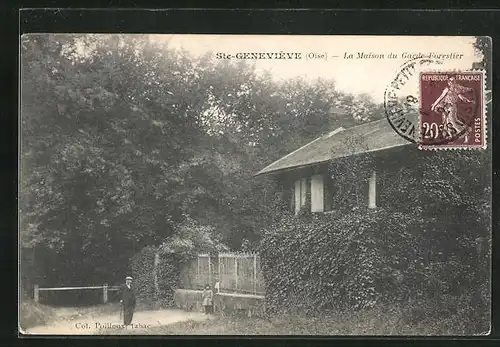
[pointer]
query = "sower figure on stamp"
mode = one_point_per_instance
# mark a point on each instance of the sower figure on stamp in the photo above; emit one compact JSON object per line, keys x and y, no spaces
{"x":128,"y":301}
{"x":447,"y":105}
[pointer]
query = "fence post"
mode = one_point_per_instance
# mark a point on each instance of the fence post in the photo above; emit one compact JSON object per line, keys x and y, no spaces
{"x":36,"y":293}
{"x":236,"y":270}
{"x":255,"y":273}
{"x":105,"y":293}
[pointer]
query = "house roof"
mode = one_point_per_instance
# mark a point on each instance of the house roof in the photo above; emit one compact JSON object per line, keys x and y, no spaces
{"x":369,"y":137}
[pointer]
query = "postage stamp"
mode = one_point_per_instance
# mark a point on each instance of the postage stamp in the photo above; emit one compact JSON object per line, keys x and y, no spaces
{"x":452,"y":113}
{"x":401,"y":99}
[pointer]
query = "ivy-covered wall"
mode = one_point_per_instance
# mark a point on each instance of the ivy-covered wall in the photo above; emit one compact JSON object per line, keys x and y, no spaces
{"x":429,"y":238}
{"x":159,"y":290}
{"x":327,"y":260}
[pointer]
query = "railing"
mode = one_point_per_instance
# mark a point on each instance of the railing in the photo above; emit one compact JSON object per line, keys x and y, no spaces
{"x":105,"y":289}
{"x":234,"y":273}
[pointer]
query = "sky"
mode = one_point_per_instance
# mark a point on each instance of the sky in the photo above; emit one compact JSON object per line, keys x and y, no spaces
{"x":355,"y":76}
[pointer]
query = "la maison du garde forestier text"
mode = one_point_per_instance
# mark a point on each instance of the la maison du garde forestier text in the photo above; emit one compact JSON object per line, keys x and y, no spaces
{"x":323,"y":55}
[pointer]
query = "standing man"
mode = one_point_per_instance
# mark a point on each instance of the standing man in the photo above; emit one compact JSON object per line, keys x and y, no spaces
{"x":128,"y":301}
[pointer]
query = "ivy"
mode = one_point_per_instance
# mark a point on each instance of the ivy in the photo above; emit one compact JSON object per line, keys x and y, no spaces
{"x":189,"y":239}
{"x":357,"y":260}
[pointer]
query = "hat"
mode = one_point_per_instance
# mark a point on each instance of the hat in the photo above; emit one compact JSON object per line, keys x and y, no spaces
{"x":128,"y":278}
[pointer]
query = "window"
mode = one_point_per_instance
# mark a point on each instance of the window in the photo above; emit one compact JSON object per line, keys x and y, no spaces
{"x":348,"y":193}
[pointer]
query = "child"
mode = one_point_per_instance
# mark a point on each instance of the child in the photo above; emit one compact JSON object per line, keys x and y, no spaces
{"x":208,"y":299}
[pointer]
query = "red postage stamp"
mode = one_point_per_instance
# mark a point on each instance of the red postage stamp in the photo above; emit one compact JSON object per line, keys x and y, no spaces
{"x":452,"y":113}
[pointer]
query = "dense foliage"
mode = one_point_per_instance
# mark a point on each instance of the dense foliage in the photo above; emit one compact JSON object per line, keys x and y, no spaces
{"x":131,"y":149}
{"x":123,"y":139}
{"x":434,"y":246}
{"x":342,"y":259}
{"x":155,"y":281}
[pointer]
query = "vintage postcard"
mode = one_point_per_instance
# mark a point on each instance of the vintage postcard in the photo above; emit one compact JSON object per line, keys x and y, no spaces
{"x":254,"y":185}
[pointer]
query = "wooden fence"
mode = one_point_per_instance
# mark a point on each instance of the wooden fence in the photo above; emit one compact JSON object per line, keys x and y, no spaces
{"x":235,"y":273}
{"x":105,"y":290}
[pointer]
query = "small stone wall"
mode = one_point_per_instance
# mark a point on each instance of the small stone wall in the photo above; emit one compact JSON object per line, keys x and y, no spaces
{"x":224,"y":303}
{"x":188,"y":300}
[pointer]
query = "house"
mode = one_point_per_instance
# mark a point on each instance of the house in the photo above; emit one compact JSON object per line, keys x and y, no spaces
{"x":308,"y":180}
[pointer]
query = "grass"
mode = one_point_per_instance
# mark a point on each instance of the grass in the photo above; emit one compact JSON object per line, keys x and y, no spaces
{"x":442,"y":318}
{"x":296,"y":325}
{"x":374,"y":322}
{"x":32,"y":314}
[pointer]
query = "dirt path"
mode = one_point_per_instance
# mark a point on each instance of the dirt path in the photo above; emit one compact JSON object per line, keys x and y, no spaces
{"x":91,"y":324}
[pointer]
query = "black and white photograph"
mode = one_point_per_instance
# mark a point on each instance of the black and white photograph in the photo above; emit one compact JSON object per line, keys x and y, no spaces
{"x":175,"y":184}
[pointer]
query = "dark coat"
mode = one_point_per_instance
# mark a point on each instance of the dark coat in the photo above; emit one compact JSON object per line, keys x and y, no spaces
{"x":128,"y":296}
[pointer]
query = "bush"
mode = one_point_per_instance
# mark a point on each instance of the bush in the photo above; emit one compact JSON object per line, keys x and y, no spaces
{"x":189,"y":239}
{"x":168,"y":278}
{"x":143,"y":269}
{"x":142,"y":265}
{"x":357,"y":260}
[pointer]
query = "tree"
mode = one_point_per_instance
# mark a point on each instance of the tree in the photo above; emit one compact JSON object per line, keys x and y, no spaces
{"x":123,"y":139}
{"x":97,"y":167}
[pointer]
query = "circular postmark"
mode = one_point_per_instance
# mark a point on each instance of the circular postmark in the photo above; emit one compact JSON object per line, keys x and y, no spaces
{"x":406,"y":112}
{"x":402,"y":99}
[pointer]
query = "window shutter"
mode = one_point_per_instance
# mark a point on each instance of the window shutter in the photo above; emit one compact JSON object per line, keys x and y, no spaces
{"x":372,"y":191}
{"x":303,"y":191}
{"x":297,"y":196}
{"x":317,"y":194}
